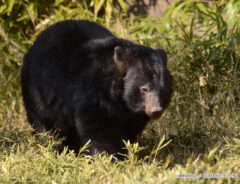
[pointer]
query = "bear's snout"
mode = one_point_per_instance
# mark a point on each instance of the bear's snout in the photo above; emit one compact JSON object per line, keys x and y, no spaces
{"x":152,"y":105}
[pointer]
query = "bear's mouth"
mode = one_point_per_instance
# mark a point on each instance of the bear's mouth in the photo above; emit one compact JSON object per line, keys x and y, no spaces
{"x":154,"y":112}
{"x":156,"y":115}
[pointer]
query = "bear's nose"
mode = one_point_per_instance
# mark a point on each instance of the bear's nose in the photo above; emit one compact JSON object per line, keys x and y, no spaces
{"x":156,"y":112}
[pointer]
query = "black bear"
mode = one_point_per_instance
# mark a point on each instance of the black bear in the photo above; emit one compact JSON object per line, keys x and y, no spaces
{"x":79,"y":79}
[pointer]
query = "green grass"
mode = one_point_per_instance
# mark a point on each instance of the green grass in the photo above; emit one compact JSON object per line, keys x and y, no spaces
{"x":198,"y":133}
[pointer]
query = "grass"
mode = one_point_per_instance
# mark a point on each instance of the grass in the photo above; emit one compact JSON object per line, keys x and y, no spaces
{"x":198,"y":133}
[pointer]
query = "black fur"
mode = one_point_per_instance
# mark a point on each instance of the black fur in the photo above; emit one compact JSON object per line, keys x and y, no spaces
{"x":72,"y":83}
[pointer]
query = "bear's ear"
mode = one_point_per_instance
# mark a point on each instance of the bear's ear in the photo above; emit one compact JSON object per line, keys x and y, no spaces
{"x":162,"y":54}
{"x":121,"y":59}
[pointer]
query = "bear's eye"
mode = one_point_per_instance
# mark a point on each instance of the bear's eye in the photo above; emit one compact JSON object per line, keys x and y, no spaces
{"x":144,"y":89}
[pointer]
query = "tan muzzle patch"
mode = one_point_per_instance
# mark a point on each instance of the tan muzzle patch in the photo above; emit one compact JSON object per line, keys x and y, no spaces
{"x":152,"y":105}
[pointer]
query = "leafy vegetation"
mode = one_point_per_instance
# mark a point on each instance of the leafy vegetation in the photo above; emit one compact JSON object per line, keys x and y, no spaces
{"x":199,"y":132}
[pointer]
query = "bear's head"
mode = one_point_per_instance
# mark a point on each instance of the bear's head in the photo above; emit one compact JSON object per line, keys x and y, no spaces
{"x":147,"y":81}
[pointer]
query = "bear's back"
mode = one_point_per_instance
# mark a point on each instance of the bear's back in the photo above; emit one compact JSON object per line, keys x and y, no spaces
{"x":59,"y":47}
{"x":78,"y":29}
{"x":67,"y":35}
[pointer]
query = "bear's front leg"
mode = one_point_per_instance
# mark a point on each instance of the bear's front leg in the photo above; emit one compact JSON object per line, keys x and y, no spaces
{"x":110,"y":145}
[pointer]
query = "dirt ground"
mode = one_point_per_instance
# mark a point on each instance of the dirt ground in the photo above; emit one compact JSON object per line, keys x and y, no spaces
{"x":148,"y":7}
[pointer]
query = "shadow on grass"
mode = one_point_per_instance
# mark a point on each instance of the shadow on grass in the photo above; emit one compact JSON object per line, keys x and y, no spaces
{"x":180,"y":148}
{"x":11,"y":141}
